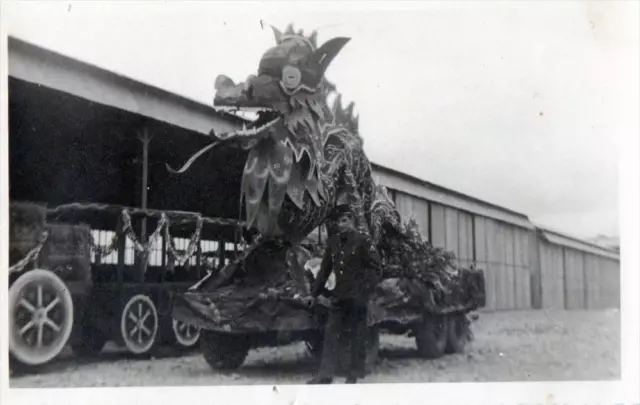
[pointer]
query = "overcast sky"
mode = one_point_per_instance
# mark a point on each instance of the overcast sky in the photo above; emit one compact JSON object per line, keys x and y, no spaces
{"x":518,"y":104}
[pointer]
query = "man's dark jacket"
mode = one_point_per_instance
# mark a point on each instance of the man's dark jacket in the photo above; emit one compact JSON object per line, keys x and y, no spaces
{"x":355,"y":263}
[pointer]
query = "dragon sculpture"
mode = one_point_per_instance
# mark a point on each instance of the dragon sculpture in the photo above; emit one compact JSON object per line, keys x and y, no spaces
{"x":305,"y":157}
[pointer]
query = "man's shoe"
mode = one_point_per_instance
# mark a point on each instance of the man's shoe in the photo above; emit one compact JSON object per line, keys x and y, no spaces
{"x":351,"y":380}
{"x":320,"y":380}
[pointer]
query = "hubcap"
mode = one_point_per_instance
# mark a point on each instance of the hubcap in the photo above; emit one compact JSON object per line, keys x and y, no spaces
{"x":38,"y":317}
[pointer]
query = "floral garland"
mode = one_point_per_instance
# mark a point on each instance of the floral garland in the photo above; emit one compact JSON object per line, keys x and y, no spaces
{"x":142,"y":250}
{"x":180,"y":258}
{"x":101,"y":251}
{"x":31,"y":256}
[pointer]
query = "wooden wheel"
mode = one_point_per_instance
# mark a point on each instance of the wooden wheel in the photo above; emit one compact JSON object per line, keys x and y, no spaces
{"x":457,"y":334}
{"x":186,"y":335}
{"x":431,"y":336}
{"x":139,"y":324}
{"x":40,"y":316}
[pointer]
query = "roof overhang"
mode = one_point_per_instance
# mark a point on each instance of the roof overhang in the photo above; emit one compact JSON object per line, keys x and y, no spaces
{"x":41,"y":66}
{"x":563,"y":240}
{"x":411,"y":185}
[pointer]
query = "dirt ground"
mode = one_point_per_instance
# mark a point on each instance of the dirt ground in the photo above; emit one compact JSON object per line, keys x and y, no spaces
{"x":508,"y":346}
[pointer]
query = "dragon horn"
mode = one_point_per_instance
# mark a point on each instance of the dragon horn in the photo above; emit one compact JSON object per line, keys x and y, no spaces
{"x":323,"y":56}
{"x":191,"y":160}
{"x":349,"y":110}
{"x":289,"y":30}
{"x":314,"y":39}
{"x":277,"y":34}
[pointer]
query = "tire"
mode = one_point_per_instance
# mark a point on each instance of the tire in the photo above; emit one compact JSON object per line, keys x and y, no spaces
{"x":139,"y":325}
{"x":40,"y":317}
{"x":224,"y":351}
{"x":185,"y":336}
{"x":457,"y":334}
{"x":431,"y":336}
{"x":92,"y":343}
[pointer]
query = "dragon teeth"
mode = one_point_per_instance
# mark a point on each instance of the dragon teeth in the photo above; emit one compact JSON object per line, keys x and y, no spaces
{"x":250,"y":131}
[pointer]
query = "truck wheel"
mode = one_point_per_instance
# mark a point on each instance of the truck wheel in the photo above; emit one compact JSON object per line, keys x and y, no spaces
{"x":186,"y":336}
{"x":139,"y":324}
{"x":457,"y":334}
{"x":92,"y":342}
{"x":224,"y":351}
{"x":40,"y":317}
{"x":431,"y":336}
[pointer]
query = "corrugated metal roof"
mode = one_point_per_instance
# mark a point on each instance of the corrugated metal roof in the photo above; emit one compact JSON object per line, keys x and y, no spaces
{"x":34,"y":64}
{"x":572,"y":242}
{"x":421,"y":188}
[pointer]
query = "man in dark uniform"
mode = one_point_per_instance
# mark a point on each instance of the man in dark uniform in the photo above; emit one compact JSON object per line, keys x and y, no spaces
{"x":356,"y":266}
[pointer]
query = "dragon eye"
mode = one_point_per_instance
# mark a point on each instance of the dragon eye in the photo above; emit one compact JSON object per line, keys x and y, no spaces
{"x":291,"y":77}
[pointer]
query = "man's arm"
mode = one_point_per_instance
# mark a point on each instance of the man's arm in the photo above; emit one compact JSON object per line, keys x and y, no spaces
{"x":372,"y":262}
{"x":325,"y":270}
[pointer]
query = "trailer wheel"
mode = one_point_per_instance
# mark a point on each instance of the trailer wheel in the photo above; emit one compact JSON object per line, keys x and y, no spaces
{"x":139,"y":324}
{"x":224,"y":351}
{"x":40,"y":316}
{"x":431,"y":336}
{"x":457,"y":334}
{"x":92,"y":343}
{"x":185,"y":335}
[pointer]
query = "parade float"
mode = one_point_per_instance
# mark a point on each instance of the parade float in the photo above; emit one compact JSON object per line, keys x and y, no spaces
{"x":304,"y":157}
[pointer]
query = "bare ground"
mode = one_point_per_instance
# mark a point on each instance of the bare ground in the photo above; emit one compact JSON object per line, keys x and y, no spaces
{"x":508,"y":346}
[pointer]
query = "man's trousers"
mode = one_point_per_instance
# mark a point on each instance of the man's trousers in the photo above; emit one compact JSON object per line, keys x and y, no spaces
{"x":345,"y":318}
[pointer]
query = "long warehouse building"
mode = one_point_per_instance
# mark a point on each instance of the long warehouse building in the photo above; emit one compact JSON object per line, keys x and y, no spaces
{"x":526,"y":266}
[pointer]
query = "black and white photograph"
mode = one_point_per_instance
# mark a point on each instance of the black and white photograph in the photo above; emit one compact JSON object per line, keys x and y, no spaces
{"x":292,"y":201}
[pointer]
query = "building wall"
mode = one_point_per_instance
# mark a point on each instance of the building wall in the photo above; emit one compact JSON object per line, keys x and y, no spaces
{"x":608,"y":290}
{"x":522,"y":269}
{"x":575,"y":280}
{"x":501,"y":250}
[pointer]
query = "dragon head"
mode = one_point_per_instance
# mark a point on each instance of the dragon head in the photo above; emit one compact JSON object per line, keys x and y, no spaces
{"x":289,"y":92}
{"x":286,"y":141}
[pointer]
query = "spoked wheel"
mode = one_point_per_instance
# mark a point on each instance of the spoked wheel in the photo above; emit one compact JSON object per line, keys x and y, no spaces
{"x":139,"y":324}
{"x":40,"y":316}
{"x":431,"y":336}
{"x":457,"y":333}
{"x":186,"y":335}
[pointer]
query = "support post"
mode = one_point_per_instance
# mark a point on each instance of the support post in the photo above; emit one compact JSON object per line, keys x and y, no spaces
{"x":145,"y":139}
